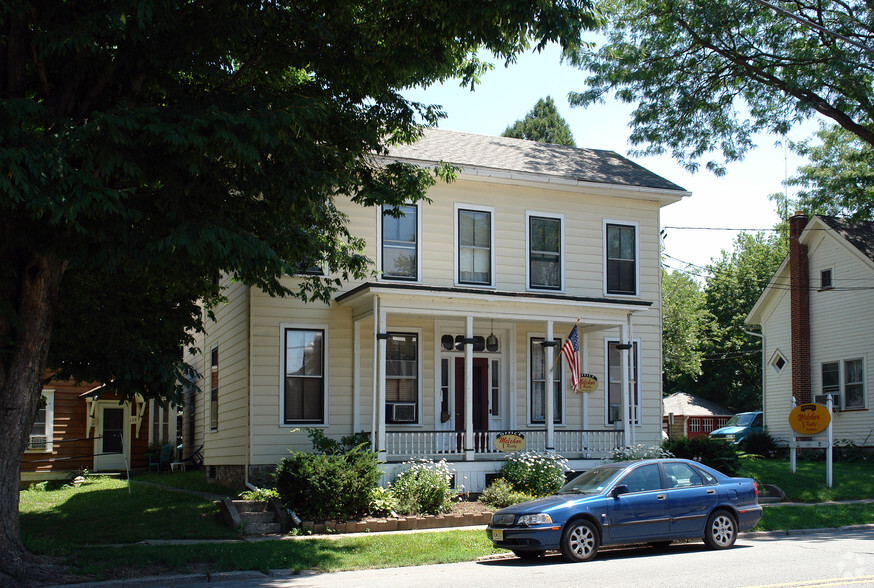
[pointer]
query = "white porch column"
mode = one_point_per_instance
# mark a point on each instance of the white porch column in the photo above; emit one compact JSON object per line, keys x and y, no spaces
{"x":626,"y":424}
{"x":469,"y":451}
{"x":356,"y":376}
{"x":584,"y":353}
{"x":634,"y":417}
{"x":548,"y":391}
{"x":375,"y":371}
{"x":380,"y":397}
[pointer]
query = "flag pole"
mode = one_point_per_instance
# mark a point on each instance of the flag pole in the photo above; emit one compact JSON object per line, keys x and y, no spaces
{"x":559,"y":354}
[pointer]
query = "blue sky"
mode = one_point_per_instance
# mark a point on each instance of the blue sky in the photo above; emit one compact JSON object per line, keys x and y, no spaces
{"x":738,"y":200}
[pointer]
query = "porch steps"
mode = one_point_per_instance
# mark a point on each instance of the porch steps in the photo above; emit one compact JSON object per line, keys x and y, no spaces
{"x":253,"y":517}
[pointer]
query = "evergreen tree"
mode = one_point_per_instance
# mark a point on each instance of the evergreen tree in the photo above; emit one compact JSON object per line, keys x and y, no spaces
{"x":542,"y":124}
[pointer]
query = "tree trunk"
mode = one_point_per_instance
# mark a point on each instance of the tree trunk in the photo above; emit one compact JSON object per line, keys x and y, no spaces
{"x":21,"y":379}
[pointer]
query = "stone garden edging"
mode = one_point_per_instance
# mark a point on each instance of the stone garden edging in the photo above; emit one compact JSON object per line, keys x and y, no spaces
{"x":411,"y":523}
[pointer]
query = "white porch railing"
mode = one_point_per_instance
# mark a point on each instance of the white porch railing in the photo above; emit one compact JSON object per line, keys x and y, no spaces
{"x":573,"y":444}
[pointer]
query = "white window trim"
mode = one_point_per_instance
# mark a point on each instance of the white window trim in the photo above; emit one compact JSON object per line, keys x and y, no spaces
{"x":156,"y":409}
{"x":379,"y":215}
{"x":844,"y":385}
{"x":831,"y":286}
{"x":528,"y":362}
{"x":420,"y":384}
{"x":636,"y":226}
{"x":492,"y":269}
{"x":326,"y":368}
{"x":607,"y":342}
{"x":773,"y":361}
{"x":209,"y":427}
{"x":49,"y":394}
{"x":550,"y":215}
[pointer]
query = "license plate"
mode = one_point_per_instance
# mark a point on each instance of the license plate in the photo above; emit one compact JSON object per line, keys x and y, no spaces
{"x":497,"y":534}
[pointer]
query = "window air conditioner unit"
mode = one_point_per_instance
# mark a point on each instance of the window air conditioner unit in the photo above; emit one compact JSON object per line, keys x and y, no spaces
{"x":823,"y":400}
{"x":403,"y":413}
{"x":37,"y":442}
{"x":615,"y":413}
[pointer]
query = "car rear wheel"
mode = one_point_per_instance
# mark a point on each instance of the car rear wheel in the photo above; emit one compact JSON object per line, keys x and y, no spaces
{"x":721,"y":530}
{"x":527,"y":554}
{"x":580,"y":541}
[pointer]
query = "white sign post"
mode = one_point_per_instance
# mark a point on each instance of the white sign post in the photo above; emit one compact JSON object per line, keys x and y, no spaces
{"x":811,"y":419}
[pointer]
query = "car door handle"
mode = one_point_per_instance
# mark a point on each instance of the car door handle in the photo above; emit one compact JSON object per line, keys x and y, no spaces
{"x":711,"y":491}
{"x":661,"y":496}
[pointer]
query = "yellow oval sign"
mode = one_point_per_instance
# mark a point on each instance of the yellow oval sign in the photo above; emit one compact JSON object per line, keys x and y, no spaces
{"x":588,"y":383}
{"x":809,"y":418}
{"x":509,"y":442}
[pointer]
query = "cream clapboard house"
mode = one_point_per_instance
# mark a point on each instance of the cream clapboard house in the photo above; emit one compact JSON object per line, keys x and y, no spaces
{"x":448,"y":345}
{"x":817,"y":316}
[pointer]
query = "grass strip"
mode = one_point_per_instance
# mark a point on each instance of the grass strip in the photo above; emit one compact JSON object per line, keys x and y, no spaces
{"x":815,"y":516}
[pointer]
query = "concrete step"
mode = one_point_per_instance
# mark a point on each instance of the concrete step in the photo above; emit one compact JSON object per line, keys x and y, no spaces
{"x":261,"y":528}
{"x":257,"y":517}
{"x":250,"y":506}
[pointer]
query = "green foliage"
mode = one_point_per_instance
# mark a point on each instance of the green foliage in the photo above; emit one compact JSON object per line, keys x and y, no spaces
{"x":839,"y":178}
{"x":762,"y":444}
{"x":543,"y":124}
{"x":639,"y":452}
{"x":259,"y":494}
{"x":382,"y":502}
{"x":424,"y":487}
{"x":706,"y":77}
{"x":683,"y":323}
{"x":535,"y":472}
{"x":327,"y":487}
{"x":715,"y":453}
{"x":324,"y":444}
{"x":500,"y":494}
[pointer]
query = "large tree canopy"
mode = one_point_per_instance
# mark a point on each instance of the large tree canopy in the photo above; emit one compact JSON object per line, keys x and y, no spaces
{"x":684,"y":319}
{"x":544,"y":124}
{"x":147,"y":145}
{"x":706,"y":76}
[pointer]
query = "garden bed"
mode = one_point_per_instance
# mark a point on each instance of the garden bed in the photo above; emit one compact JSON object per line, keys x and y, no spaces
{"x":463,"y":514}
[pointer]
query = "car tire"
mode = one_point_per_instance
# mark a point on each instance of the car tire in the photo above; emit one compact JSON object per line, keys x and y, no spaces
{"x":527,"y":555}
{"x":580,"y":541}
{"x":721,"y":530}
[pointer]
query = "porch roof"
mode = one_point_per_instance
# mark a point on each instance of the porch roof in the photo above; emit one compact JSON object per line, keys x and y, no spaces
{"x":456,"y":301}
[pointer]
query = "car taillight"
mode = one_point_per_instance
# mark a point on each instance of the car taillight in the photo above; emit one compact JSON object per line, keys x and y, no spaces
{"x":755,"y":488}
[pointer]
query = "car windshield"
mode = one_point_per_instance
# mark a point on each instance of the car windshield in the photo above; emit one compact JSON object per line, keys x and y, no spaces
{"x":741,"y":420}
{"x":590,"y":482}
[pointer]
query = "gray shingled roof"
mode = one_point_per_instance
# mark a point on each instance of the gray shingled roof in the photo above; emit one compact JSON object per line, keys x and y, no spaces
{"x":860,"y":234}
{"x":517,"y":155}
{"x":681,"y":403}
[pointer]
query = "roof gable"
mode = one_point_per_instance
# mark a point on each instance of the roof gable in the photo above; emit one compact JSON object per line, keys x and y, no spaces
{"x":859,"y":234}
{"x":530,"y":157}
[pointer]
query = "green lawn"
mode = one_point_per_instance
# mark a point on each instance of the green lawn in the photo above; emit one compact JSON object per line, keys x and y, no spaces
{"x":68,"y":521}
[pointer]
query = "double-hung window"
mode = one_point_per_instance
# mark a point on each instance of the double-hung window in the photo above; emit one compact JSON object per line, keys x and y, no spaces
{"x":545,"y":264}
{"x":400,"y":242}
{"x":475,"y":251}
{"x":537,"y":385}
{"x":831,"y":381}
{"x":621,"y":258}
{"x":402,"y":378}
{"x":43,"y":426}
{"x":614,"y":383}
{"x":854,"y":384}
{"x":213,"y":389}
{"x":303,"y":376}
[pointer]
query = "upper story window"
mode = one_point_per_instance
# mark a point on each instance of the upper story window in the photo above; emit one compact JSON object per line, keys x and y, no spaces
{"x":475,"y":251}
{"x":213,"y":389}
{"x":545,"y":244}
{"x":825,"y":279}
{"x":303,"y":360}
{"x":854,"y":384}
{"x":400,"y":242}
{"x":620,"y":266}
{"x":43,"y":426}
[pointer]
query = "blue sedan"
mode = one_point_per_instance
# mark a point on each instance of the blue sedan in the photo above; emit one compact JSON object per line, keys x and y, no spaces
{"x":653,"y":501}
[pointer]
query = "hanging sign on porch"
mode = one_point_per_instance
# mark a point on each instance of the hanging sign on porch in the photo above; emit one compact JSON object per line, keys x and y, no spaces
{"x":588,"y":383}
{"x":510,"y":442}
{"x":809,"y":418}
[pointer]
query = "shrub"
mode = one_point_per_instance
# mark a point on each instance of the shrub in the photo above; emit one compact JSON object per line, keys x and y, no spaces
{"x":715,"y":453}
{"x":382,"y":502}
{"x":500,"y":494}
{"x":638,"y":452}
{"x":761,"y":444}
{"x":423,"y":488}
{"x":534,"y":472}
{"x":324,"y":444}
{"x":323,"y":487}
{"x":260,"y":494}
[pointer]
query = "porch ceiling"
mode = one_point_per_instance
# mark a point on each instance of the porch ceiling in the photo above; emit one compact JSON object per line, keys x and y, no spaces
{"x":594,"y":313}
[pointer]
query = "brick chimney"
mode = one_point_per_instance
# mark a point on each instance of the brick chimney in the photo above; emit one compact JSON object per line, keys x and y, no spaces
{"x":799,"y":281}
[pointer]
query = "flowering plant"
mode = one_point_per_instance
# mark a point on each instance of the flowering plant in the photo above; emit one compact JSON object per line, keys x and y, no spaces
{"x":535,"y":472}
{"x":425,"y":487}
{"x":638,"y":452}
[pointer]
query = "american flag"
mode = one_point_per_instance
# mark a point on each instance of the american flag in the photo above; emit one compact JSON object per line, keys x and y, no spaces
{"x":571,"y":352}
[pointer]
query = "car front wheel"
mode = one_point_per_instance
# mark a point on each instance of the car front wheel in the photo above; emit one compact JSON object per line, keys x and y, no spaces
{"x":580,"y":541}
{"x":721,"y":530}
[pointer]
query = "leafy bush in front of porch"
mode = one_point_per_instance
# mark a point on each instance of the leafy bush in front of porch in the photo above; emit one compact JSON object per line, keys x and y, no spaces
{"x":535,"y":472}
{"x":327,"y":486}
{"x":639,"y":452}
{"x":425,"y":487}
{"x":500,"y":494}
{"x":715,"y":453}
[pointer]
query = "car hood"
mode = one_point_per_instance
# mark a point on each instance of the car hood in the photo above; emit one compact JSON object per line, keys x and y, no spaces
{"x":548,"y":503}
{"x":729,"y":430}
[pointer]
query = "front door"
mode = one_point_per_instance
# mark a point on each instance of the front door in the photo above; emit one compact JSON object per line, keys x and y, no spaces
{"x":480,"y":394}
{"x":110,"y":443}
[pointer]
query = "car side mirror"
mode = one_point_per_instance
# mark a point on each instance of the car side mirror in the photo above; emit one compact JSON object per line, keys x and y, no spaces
{"x":618,"y":490}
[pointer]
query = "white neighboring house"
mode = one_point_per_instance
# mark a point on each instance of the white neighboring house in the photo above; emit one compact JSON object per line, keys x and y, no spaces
{"x":817,"y":318}
{"x":451,"y":342}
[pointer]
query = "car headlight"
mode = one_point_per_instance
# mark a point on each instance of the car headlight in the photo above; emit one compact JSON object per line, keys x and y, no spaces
{"x":534,"y":519}
{"x":729,"y":437}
